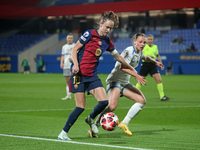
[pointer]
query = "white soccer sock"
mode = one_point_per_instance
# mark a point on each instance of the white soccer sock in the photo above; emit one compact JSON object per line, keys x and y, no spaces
{"x":67,"y":90}
{"x":133,"y":111}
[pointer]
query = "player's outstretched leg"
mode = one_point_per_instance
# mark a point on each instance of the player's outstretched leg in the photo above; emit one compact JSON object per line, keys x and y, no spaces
{"x":97,"y":123}
{"x":90,"y":119}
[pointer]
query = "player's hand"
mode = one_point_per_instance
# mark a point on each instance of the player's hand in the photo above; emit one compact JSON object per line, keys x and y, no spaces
{"x":75,"y":69}
{"x":151,"y":56}
{"x":62,"y":66}
{"x":159,"y":64}
{"x":70,"y":59}
{"x":141,"y":80}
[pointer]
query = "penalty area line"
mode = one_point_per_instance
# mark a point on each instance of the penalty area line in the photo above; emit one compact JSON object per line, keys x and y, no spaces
{"x":73,"y":142}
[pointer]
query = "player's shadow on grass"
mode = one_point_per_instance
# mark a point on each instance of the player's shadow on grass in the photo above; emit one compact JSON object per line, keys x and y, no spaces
{"x":111,"y":134}
{"x":151,"y":132}
{"x":119,"y":134}
{"x":104,"y":135}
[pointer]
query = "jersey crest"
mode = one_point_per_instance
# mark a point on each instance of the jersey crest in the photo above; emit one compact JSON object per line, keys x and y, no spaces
{"x":98,"y":52}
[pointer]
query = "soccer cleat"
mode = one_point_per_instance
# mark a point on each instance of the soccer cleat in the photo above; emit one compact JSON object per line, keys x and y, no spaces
{"x":63,"y":136}
{"x":97,"y":122}
{"x":92,"y":134}
{"x":125,"y":128}
{"x":65,"y":98}
{"x":92,"y":125}
{"x":165,"y":98}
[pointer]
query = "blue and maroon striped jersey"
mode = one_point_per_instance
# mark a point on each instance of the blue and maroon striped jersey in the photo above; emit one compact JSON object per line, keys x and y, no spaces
{"x":94,"y":46}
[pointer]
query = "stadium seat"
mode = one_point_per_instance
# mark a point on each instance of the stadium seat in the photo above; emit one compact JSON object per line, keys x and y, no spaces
{"x":164,"y":41}
{"x":19,"y":42}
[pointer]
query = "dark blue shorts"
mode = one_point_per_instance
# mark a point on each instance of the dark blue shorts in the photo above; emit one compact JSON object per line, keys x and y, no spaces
{"x":80,"y":83}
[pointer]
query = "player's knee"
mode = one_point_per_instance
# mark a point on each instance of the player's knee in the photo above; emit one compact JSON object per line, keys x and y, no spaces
{"x":112,"y":107}
{"x":159,"y":81}
{"x":104,"y":103}
{"x":142,"y":100}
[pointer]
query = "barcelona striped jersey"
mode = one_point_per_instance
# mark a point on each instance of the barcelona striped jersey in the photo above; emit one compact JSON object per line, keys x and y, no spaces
{"x":94,"y":46}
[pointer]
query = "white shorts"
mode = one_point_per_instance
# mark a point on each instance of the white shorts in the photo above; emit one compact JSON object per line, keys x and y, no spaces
{"x":122,"y":87}
{"x":66,"y":72}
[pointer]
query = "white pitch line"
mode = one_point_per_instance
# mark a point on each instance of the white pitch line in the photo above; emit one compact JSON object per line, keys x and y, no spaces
{"x":37,"y":110}
{"x":93,"y":108}
{"x":73,"y":142}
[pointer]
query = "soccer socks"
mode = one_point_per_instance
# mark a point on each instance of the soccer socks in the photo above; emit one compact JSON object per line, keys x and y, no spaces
{"x":77,"y":111}
{"x":160,"y":90}
{"x":99,"y":108}
{"x":138,"y":86}
{"x":133,"y":111}
{"x":67,"y":90}
{"x":72,"y":118}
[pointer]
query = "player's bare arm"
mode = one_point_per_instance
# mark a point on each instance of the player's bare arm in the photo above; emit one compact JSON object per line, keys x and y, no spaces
{"x":122,"y":61}
{"x":141,"y":80}
{"x":159,"y":59}
{"x":61,"y":62}
{"x":75,"y":49}
{"x":159,"y":64}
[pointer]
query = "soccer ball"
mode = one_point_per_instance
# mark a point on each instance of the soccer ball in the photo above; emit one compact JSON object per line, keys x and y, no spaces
{"x":109,"y":121}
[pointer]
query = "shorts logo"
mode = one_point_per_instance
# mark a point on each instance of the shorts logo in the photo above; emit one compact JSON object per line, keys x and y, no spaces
{"x":75,"y":86}
{"x":98,"y":52}
{"x":86,"y":34}
{"x":100,"y":43}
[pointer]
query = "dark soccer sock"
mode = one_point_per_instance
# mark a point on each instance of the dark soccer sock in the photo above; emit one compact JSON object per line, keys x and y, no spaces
{"x":72,"y":118}
{"x":99,"y":108}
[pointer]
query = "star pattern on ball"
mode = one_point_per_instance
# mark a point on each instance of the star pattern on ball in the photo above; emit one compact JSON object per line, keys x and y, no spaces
{"x":116,"y":120}
{"x":109,"y":121}
{"x":107,"y":125}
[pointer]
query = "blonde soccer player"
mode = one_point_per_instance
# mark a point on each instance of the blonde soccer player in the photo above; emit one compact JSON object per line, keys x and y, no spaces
{"x":118,"y":83}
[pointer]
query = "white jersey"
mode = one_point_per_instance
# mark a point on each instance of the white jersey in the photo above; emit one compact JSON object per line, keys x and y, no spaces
{"x":66,"y":50}
{"x":132,"y":58}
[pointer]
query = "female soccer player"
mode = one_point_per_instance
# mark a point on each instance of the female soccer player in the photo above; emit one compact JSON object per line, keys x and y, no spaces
{"x":85,"y":55}
{"x":150,"y":68}
{"x":118,"y":83}
{"x":66,"y":61}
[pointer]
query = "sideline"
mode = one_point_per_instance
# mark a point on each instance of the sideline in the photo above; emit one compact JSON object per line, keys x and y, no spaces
{"x":73,"y":142}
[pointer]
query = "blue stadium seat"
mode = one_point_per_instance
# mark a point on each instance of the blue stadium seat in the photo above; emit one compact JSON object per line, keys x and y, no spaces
{"x":19,"y":42}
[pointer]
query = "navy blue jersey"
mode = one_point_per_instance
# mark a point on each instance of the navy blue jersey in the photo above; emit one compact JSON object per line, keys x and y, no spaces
{"x":94,"y":46}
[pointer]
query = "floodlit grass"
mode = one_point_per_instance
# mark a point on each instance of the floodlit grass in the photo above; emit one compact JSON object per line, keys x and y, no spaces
{"x":31,"y":106}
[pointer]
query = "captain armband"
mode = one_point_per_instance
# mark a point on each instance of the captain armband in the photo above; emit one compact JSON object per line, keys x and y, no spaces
{"x":114,"y":52}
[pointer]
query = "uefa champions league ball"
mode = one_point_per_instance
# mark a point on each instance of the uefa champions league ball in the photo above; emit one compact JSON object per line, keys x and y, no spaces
{"x":109,"y":121}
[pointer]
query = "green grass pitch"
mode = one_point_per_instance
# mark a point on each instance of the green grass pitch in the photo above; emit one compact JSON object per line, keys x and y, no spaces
{"x":32,"y":115}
